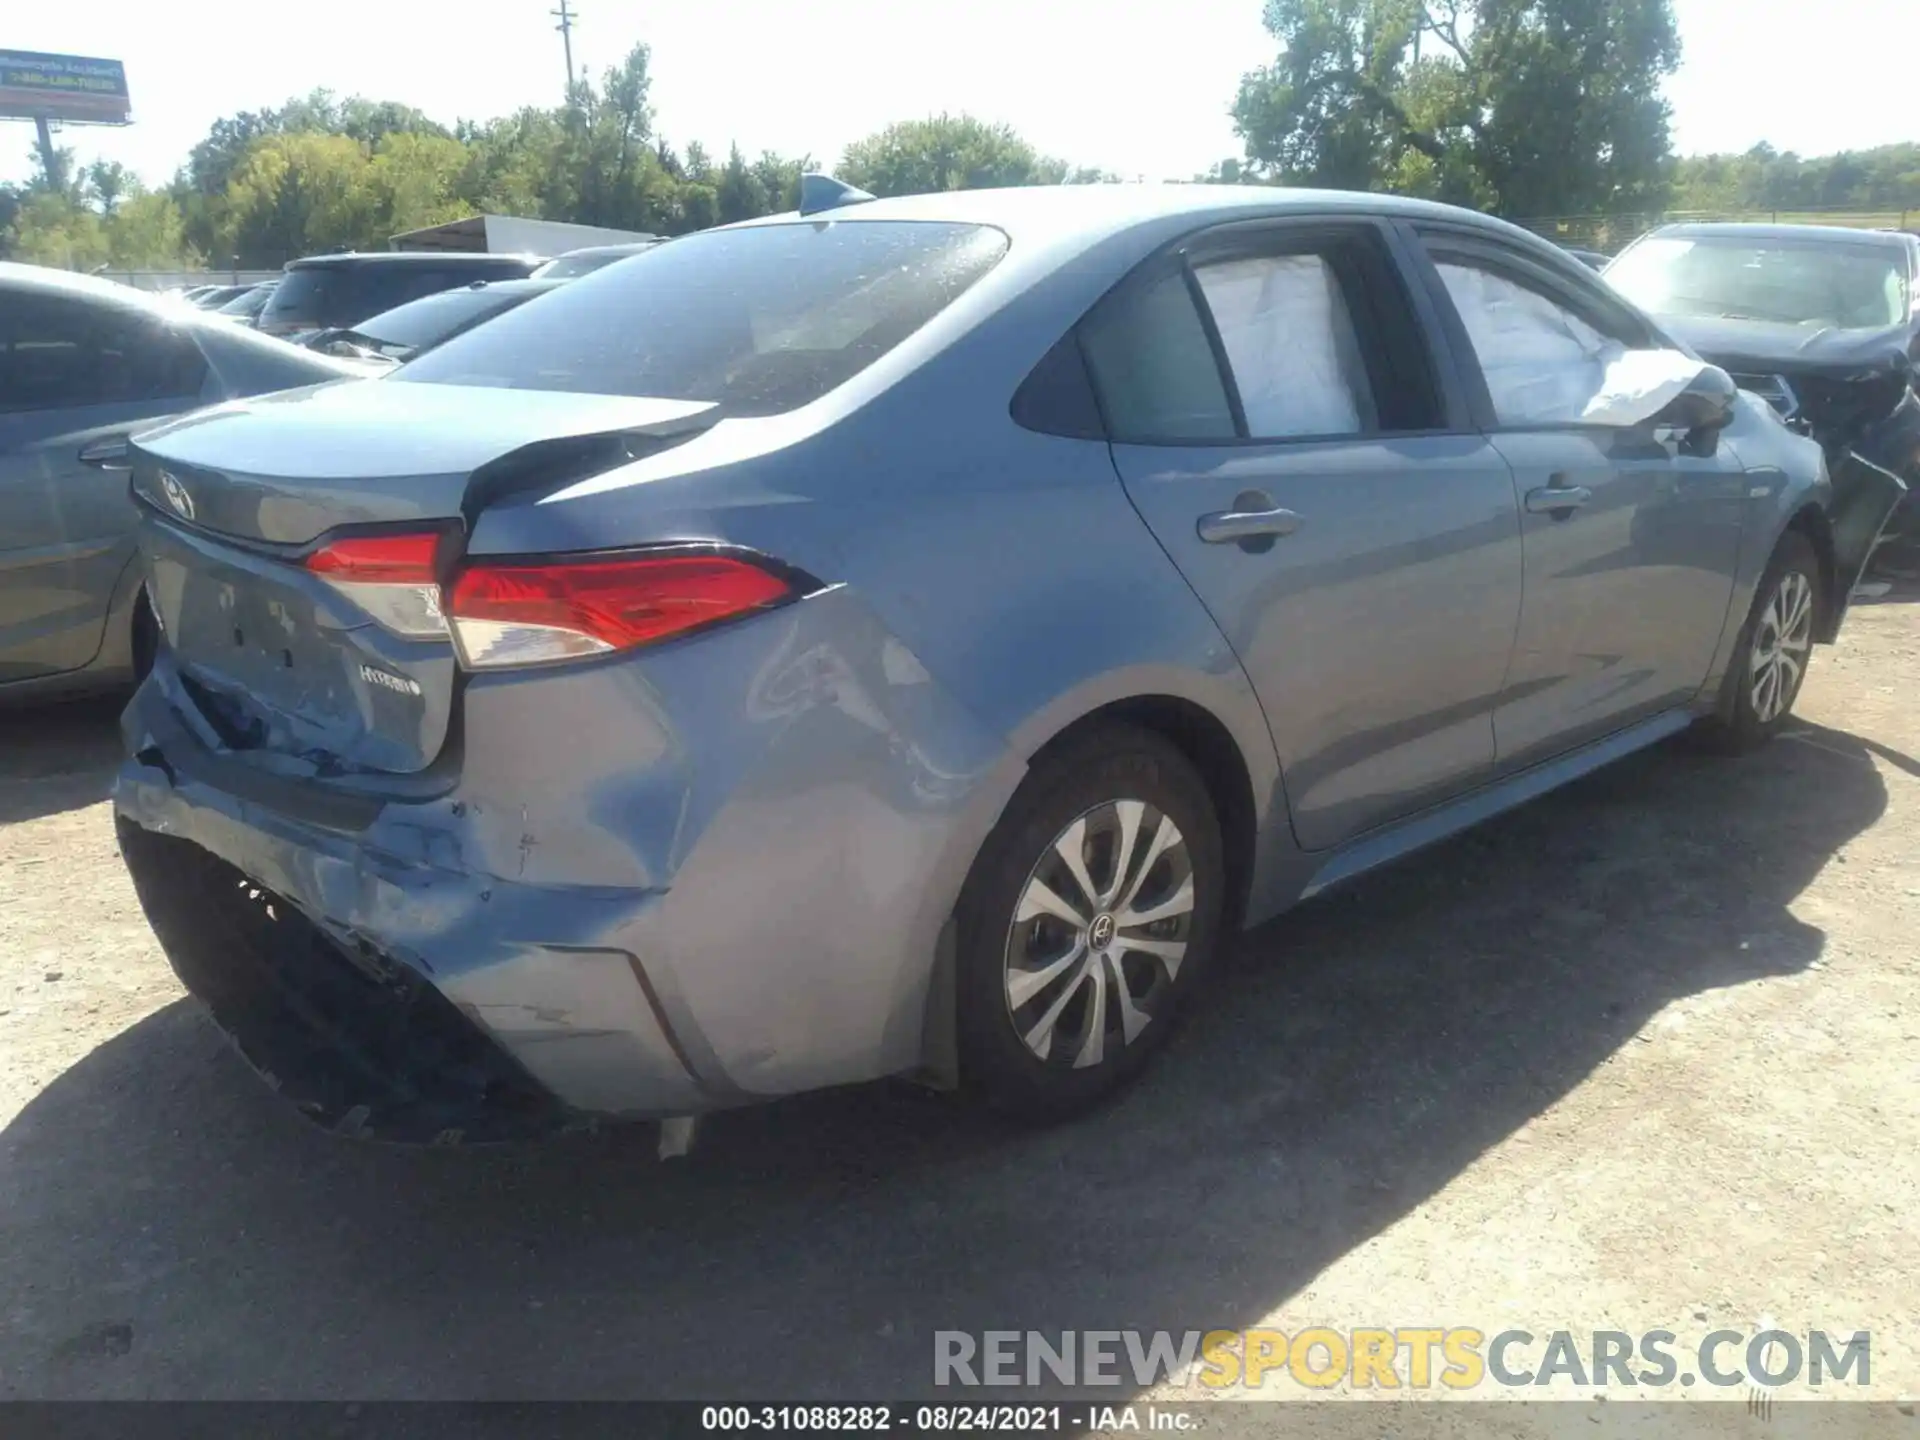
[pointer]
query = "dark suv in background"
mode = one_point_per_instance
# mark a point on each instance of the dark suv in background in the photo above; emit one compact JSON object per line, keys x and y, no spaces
{"x":335,"y":292}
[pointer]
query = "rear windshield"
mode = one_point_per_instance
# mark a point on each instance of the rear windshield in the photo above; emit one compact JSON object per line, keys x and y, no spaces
{"x":429,"y":320}
{"x":248,"y":302}
{"x":761,"y":320}
{"x":322,"y":297}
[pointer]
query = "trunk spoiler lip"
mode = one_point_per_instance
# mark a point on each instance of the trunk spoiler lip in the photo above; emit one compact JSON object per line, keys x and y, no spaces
{"x":541,"y":464}
{"x":426,"y":429}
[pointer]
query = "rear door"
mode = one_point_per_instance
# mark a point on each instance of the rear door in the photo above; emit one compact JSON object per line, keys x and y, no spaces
{"x":76,"y":378}
{"x":1631,"y":545}
{"x":1279,"y":421}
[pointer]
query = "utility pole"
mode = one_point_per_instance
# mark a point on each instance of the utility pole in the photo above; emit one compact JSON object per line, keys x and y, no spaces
{"x":50,"y":155}
{"x":566,"y":17}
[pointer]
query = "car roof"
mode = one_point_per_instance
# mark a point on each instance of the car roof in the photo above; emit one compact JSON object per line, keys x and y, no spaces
{"x":47,"y":280}
{"x":476,"y":258}
{"x":1066,"y":211}
{"x":1830,"y":234}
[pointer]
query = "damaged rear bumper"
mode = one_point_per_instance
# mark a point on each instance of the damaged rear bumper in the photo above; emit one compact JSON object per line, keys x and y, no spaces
{"x":362,"y":1045}
{"x":453,"y":1007}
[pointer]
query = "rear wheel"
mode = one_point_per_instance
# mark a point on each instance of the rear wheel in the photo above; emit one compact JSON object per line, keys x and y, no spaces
{"x":1775,"y":645}
{"x":1091,"y":915}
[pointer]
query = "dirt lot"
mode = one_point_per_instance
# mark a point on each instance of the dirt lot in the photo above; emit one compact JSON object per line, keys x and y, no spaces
{"x":1644,"y":1055}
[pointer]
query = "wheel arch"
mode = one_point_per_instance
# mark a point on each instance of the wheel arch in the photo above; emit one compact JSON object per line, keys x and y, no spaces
{"x":1242,"y":777}
{"x":1208,"y":745}
{"x":1811,"y":521}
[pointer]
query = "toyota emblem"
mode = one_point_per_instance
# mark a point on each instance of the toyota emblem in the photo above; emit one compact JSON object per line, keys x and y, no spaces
{"x":176,"y":494}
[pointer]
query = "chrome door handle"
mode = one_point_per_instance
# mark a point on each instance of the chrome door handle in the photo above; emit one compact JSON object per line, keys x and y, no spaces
{"x":1557,"y":501}
{"x":108,"y":454}
{"x":1225,"y":527}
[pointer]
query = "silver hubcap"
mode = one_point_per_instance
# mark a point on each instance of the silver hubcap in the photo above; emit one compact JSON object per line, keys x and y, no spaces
{"x":1099,"y":933}
{"x":1781,"y":642}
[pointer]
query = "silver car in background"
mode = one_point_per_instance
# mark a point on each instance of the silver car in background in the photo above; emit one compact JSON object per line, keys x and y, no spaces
{"x":83,"y":364}
{"x":908,"y":637}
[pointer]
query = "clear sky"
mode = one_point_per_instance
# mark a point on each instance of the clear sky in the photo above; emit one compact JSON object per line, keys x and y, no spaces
{"x":1139,"y":87}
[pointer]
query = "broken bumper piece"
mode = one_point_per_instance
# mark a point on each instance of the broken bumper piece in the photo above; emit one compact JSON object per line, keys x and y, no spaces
{"x":361,"y":1044}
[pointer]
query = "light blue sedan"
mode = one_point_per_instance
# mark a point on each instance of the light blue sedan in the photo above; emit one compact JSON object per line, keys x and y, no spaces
{"x":910,"y":636}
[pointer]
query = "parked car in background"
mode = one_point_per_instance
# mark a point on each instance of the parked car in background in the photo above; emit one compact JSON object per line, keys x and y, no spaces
{"x":245,"y":307}
{"x":412,"y":329}
{"x":332,"y":292}
{"x":575,"y":263}
{"x":1823,"y":322}
{"x":911,"y":636}
{"x":83,"y":363}
{"x":214,"y":296}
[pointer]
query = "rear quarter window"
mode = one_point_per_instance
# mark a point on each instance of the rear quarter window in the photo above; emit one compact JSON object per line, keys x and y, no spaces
{"x":761,"y":320}
{"x":58,"y":352}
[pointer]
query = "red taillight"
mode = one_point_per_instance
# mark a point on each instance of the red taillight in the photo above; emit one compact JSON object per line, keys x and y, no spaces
{"x":521,"y":613}
{"x":393,"y":577}
{"x":379,"y":559}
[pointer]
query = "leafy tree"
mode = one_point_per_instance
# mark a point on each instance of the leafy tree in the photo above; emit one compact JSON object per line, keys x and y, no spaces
{"x":415,"y":178}
{"x":11,"y":199}
{"x":107,"y":181}
{"x":146,"y":231}
{"x":321,"y":173}
{"x":1531,"y":107}
{"x":1883,"y":180}
{"x":296,"y":194}
{"x":142,"y":232}
{"x":949,"y":152}
{"x":53,"y":230}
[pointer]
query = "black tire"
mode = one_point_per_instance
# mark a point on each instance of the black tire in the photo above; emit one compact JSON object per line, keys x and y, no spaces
{"x":1738,"y":724}
{"x":1083,"y":781}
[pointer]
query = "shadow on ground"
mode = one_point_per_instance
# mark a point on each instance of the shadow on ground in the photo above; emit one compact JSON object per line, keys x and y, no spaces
{"x":170,"y":1230}
{"x":57,"y":757}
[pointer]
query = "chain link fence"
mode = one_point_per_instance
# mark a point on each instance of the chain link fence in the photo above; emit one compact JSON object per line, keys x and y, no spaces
{"x":1610,"y":234}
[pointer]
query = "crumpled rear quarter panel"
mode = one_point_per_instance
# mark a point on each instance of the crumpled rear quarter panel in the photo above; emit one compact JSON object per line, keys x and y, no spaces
{"x":663,"y":882}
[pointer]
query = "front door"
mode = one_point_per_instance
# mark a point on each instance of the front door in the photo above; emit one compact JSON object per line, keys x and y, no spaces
{"x":1278,"y":425}
{"x":1631,"y":545}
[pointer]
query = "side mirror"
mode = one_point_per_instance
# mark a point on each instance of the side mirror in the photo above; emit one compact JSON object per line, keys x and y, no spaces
{"x":1701,"y":411}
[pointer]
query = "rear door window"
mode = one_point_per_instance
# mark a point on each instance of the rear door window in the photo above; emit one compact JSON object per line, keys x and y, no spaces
{"x":1284,"y":323}
{"x":58,"y":352}
{"x":1263,"y":334}
{"x":760,"y":320}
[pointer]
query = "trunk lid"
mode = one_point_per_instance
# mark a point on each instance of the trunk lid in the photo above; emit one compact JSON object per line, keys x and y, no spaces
{"x":291,"y":665}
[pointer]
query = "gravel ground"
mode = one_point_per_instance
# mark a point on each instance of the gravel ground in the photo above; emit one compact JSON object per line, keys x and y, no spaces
{"x":1643,"y":1055}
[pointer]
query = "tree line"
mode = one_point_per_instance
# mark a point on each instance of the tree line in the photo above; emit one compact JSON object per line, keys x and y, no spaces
{"x":322,"y":174}
{"x":1526,"y":108}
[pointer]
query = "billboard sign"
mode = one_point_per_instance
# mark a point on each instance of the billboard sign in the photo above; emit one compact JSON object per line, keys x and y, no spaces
{"x":75,"y":88}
